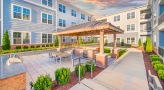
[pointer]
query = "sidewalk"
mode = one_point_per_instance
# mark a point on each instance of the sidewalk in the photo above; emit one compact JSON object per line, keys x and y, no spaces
{"x":127,"y":73}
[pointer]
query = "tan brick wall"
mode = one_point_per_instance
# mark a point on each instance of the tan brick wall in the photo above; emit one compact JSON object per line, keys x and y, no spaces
{"x":102,"y":60}
{"x":17,"y":82}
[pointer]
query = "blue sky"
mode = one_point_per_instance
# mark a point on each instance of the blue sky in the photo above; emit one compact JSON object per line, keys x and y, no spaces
{"x":104,"y":7}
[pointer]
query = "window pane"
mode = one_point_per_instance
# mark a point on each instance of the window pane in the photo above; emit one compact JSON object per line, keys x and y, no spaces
{"x":26,"y":38}
{"x":128,"y":27}
{"x":26,"y":14}
{"x":50,"y":3}
{"x":49,"y":19}
{"x":132,"y":40}
{"x":17,"y":12}
{"x":118,"y":18}
{"x":118,"y":40}
{"x":64,"y":23}
{"x":60,"y":22}
{"x":128,"y":40}
{"x":133,"y":27}
{"x":133,"y":15}
{"x":44,"y":2}
{"x":44,"y":38}
{"x":16,"y":38}
{"x":49,"y":38}
{"x":128,"y":16}
{"x":44,"y":18}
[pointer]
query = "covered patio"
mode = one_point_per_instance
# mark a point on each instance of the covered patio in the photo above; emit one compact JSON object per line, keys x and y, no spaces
{"x":91,"y":29}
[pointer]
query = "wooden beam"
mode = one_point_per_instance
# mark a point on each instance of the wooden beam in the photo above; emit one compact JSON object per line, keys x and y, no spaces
{"x":101,"y":41}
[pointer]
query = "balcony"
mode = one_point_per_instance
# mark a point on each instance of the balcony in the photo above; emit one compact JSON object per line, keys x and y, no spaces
{"x":145,"y":31}
{"x":145,"y":17}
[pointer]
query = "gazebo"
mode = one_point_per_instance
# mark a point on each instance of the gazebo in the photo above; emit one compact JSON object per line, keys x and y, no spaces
{"x":89,"y":29}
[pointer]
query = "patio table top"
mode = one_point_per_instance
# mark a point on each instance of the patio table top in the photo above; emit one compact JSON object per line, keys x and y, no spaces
{"x":60,"y":54}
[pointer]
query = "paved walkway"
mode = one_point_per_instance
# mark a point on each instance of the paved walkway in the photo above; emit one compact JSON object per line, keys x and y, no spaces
{"x":127,"y":73}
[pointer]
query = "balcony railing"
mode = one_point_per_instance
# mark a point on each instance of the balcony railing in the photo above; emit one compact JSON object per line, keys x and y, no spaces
{"x":148,"y":29}
{"x":145,"y":16}
{"x":161,"y":51}
{"x":161,"y":18}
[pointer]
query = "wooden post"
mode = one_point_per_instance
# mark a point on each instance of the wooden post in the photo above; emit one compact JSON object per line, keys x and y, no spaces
{"x":101,"y":41}
{"x":60,"y":42}
{"x":78,"y":41}
{"x":114,"y":41}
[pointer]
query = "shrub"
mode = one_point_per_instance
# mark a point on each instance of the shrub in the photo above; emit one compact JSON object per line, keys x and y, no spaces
{"x":155,"y":59}
{"x":139,"y":43}
{"x":6,"y":41}
{"x":107,"y":50}
{"x":47,"y":45}
{"x":88,"y":66}
{"x":38,"y":46}
{"x":25,"y":47}
{"x":18,"y":47}
{"x":92,"y":40}
{"x":128,"y":45}
{"x":158,"y":67}
{"x":81,"y":41}
{"x":122,"y":42}
{"x":43,"y":46}
{"x":153,"y":55}
{"x":155,"y":62}
{"x":148,"y":47}
{"x":121,"y":52}
{"x":161,"y":74}
{"x":43,"y":83}
{"x":32,"y":46}
{"x":106,"y":42}
{"x":82,"y":70}
{"x":51,"y":45}
{"x":62,"y":76}
{"x":56,"y":41}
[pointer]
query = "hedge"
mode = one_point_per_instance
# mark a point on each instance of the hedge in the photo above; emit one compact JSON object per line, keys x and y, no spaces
{"x":121,"y":52}
{"x":155,"y":59}
{"x":43,"y":83}
{"x":161,"y":74}
{"x":88,"y":66}
{"x":32,"y":46}
{"x":158,"y":67}
{"x":107,"y":50}
{"x":82,"y":70}
{"x":25,"y":47}
{"x":155,"y":62}
{"x":18,"y":47}
{"x":62,"y":76}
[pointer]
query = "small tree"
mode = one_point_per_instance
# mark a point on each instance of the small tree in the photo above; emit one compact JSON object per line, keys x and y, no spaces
{"x":92,"y":40}
{"x":149,"y":47}
{"x":81,"y":40}
{"x":139,"y":43}
{"x":122,"y":42}
{"x":56,"y":41}
{"x":6,"y":41}
{"x":106,"y":42}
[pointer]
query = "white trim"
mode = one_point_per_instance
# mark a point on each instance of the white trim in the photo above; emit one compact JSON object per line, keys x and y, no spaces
{"x":47,"y":18}
{"x":12,"y":17}
{"x":1,"y":21}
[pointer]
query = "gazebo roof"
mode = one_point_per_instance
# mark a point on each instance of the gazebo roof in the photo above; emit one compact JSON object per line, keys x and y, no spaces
{"x":90,"y":28}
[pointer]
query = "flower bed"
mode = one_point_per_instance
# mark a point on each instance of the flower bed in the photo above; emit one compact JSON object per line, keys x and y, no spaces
{"x":153,"y":65}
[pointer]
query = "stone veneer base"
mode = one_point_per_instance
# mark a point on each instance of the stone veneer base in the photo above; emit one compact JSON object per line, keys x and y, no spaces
{"x":102,"y":60}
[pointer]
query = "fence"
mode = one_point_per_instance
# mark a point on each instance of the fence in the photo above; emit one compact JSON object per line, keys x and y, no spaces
{"x":153,"y":81}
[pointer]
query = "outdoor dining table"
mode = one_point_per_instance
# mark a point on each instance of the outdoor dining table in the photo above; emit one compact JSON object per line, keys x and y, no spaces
{"x":61,"y":55}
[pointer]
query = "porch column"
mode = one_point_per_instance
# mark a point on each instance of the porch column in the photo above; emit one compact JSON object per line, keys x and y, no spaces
{"x":101,"y":42}
{"x":114,"y":41}
{"x":78,"y":41}
{"x":114,"y":51}
{"x":60,"y":43}
{"x":101,"y":58}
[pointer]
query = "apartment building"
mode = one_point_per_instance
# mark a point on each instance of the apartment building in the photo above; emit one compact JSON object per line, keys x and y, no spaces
{"x":136,"y":23}
{"x":33,"y":21}
{"x":157,"y":8}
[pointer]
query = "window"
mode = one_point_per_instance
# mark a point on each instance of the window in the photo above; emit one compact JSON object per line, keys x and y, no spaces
{"x":128,"y":27}
{"x":49,"y":38}
{"x":62,"y":23}
{"x":83,"y":16}
{"x":89,"y":39}
{"x":26,"y":38}
{"x":26,"y":14}
{"x":63,"y":39}
{"x":131,"y":15}
{"x":132,"y":27}
{"x":132,"y":40}
{"x":73,"y":23}
{"x":49,"y":19}
{"x":47,"y":2}
{"x":21,"y":37}
{"x":17,"y":38}
{"x":118,"y":40}
{"x":73,"y":39}
{"x":62,"y":8}
{"x":73,"y":12}
{"x":89,"y":18}
{"x":17,"y":12}
{"x":116,"y":18}
{"x":46,"y":18}
{"x":128,"y":40}
{"x":44,"y":38}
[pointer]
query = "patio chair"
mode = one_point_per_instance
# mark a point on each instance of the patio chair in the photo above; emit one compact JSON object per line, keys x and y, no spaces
{"x":50,"y":56}
{"x":12,"y":56}
{"x":57,"y":59}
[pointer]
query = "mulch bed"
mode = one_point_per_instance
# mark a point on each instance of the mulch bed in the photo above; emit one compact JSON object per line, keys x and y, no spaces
{"x":74,"y":79}
{"x":149,"y":66}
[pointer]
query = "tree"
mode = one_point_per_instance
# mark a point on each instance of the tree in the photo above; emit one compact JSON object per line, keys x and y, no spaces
{"x":106,"y":42}
{"x":81,"y":40}
{"x":122,"y":42}
{"x":148,"y":47}
{"x":6,"y":41}
{"x":139,"y":43}
{"x":92,"y":40}
{"x":56,"y":41}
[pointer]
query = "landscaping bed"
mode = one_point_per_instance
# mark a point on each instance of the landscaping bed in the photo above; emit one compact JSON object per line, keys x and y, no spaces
{"x":148,"y":66}
{"x":74,"y":80}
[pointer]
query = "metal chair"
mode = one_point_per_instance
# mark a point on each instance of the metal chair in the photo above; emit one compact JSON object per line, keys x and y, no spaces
{"x":50,"y":56}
